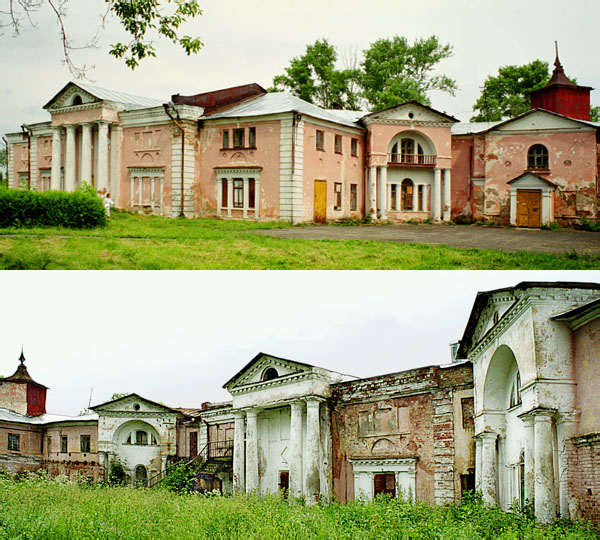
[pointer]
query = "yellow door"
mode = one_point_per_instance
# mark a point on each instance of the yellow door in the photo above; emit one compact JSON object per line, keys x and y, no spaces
{"x":320,"y":201}
{"x":529,"y":208}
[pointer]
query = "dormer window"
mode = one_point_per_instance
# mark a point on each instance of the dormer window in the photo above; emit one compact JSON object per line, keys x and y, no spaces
{"x":537,"y":157}
{"x":270,"y":374}
{"x":77,"y":100}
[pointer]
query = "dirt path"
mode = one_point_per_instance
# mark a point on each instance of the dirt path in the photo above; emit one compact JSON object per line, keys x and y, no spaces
{"x":504,"y":239}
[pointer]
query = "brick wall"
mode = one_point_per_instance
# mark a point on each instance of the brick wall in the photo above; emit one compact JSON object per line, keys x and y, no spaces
{"x":583,"y":454}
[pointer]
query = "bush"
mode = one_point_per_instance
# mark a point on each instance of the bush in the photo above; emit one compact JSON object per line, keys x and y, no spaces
{"x":77,"y":210}
{"x":586,"y":224}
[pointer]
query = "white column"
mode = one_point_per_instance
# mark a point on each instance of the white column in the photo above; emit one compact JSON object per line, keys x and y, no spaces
{"x":446,"y":209}
{"x":436,"y":196}
{"x":115,"y":163}
{"x":371,"y":206}
{"x":239,"y":453}
{"x":478,"y":454}
{"x":229,"y":196}
{"x":296,"y":449}
{"x":545,"y":499}
{"x":86,"y":154}
{"x":513,"y":206}
{"x":219,"y":195}
{"x":56,"y":159}
{"x":382,"y":192}
{"x":488,"y":467}
{"x":251,"y":451}
{"x":562,"y":480}
{"x":312,"y":476}
{"x":70,"y":177}
{"x":528,"y":481}
{"x":245,"y":195}
{"x":256,"y":198}
{"x":102,"y":178}
{"x":389,"y":196}
{"x":424,"y":199}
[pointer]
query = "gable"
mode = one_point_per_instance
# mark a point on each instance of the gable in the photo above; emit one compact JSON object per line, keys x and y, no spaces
{"x":258,"y":368}
{"x":409,"y":112}
{"x":539,"y":120}
{"x":65,"y":98}
{"x":132,"y":403}
{"x":530,"y":180}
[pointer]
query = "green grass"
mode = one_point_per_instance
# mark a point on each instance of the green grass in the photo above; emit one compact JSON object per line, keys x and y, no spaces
{"x":152,"y":243}
{"x":35,"y":508}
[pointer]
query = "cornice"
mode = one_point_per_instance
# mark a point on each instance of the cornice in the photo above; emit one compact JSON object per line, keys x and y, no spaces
{"x":138,"y":414}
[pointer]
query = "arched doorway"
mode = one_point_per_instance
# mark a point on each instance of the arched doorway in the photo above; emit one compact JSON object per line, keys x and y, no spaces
{"x":141,"y":475}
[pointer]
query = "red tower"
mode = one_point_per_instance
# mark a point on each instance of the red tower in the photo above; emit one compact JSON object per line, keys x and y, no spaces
{"x":562,"y":96}
{"x":36,"y":392}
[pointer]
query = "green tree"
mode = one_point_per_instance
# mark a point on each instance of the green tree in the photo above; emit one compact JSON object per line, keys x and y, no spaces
{"x":394,"y":71}
{"x":507,"y":94}
{"x":313,"y":77}
{"x":3,"y":181}
{"x":143,"y":21}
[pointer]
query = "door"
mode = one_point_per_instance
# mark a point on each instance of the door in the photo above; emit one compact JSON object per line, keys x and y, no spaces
{"x":193,"y":443}
{"x":529,"y":208}
{"x":320,"y":201}
{"x":385,"y":483}
{"x":284,"y":482}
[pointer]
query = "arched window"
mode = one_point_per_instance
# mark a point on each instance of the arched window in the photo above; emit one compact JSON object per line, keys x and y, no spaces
{"x":77,"y":100}
{"x":537,"y":157}
{"x":141,"y":474}
{"x":270,"y":374}
{"x":407,"y":194}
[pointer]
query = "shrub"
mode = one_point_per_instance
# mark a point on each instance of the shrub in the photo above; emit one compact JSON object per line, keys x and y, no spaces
{"x":586,"y":224}
{"x":116,"y":473}
{"x":77,"y":210}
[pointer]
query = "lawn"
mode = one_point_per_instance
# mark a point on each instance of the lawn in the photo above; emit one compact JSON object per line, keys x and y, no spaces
{"x":36,"y":508}
{"x":136,"y":242}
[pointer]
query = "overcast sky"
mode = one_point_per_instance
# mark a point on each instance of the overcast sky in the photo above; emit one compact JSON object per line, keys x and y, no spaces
{"x":177,"y":337}
{"x":253,"y":41}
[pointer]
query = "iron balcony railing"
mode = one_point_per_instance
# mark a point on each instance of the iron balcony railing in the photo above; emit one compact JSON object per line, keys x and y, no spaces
{"x":412,"y":160}
{"x":220,"y":449}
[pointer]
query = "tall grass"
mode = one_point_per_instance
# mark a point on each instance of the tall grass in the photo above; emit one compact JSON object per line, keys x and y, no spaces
{"x":38,"y":508}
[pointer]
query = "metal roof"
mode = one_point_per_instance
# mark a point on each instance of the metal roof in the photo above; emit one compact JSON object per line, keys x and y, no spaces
{"x":130,"y":101}
{"x":10,"y":416}
{"x":283,"y":102}
{"x":468,"y":128}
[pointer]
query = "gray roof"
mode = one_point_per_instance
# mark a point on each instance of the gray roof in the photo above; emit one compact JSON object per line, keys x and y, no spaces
{"x":130,"y":101}
{"x":42,"y":419}
{"x":282,"y":102}
{"x":468,"y":128}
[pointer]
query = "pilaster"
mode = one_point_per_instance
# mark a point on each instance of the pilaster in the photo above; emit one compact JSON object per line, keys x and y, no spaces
{"x":239,"y":453}
{"x":312,"y":476}
{"x":251,"y":451}
{"x":296,"y":449}
{"x":56,"y":159}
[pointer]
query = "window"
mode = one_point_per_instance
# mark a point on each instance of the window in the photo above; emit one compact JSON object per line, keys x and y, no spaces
{"x":354,"y":147}
{"x":252,"y":137}
{"x":141,"y":474}
{"x":353,"y":197}
{"x":226,"y":138}
{"x":153,"y":439}
{"x":141,"y":437}
{"x":77,"y":100}
{"x":385,"y":483}
{"x":251,"y":193}
{"x":407,"y":149}
{"x":515,"y":391}
{"x":238,"y":193}
{"x":270,"y":374}
{"x":320,"y":140}
{"x":85,"y":444}
{"x":420,"y":194}
{"x":64,"y":444}
{"x":393,"y":197}
{"x":224,"y":184}
{"x":338,"y":144}
{"x":407,"y":194}
{"x":13,"y":442}
{"x":337,"y":196}
{"x":238,"y":138}
{"x":467,"y":406}
{"x":537,"y":157}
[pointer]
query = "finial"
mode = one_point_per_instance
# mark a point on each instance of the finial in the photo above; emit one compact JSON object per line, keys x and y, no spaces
{"x":22,"y":357}
{"x":557,"y":63}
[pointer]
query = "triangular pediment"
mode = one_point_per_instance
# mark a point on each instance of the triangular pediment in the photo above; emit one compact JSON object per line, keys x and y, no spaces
{"x":264,"y":367}
{"x":531,"y":180}
{"x":67,"y":97}
{"x":541,"y":120}
{"x":411,"y":111}
{"x":132,"y":403}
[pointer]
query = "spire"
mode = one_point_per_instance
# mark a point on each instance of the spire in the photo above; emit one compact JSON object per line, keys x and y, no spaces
{"x":558,"y":75}
{"x":557,"y":63}
{"x":22,"y":357}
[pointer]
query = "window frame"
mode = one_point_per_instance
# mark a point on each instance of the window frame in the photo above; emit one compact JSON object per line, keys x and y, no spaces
{"x":239,"y":136}
{"x":251,"y":137}
{"x":338,"y":190}
{"x":404,"y":195}
{"x":353,"y":197}
{"x":13,"y":442}
{"x":354,"y":147}
{"x":64,"y":444}
{"x":237,"y":200}
{"x":225,"y":139}
{"x":85,"y":441}
{"x":538,"y":158}
{"x":320,"y":140}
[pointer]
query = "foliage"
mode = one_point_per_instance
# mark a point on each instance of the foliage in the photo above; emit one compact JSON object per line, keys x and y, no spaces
{"x":142,"y":20}
{"x":3,"y":180}
{"x":506,"y":95}
{"x":392,"y":71}
{"x":118,"y":395}
{"x":586,"y":224}
{"x":181,"y":478}
{"x":40,"y":508}
{"x":314,"y":78}
{"x":116,"y":472}
{"x":78,"y":210}
{"x":132,"y":241}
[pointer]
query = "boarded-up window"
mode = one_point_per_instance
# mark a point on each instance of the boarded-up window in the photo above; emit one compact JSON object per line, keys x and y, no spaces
{"x":384,"y":421}
{"x":385,"y":483}
{"x":364,"y":424}
{"x":468,"y":406}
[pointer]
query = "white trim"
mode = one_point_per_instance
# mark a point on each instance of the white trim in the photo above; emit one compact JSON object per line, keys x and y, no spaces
{"x":404,"y":470}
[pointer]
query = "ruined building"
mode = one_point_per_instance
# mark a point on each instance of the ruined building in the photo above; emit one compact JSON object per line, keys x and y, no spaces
{"x":243,"y":153}
{"x":517,"y":419}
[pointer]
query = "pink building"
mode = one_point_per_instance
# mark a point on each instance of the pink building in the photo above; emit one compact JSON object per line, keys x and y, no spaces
{"x":243,"y":153}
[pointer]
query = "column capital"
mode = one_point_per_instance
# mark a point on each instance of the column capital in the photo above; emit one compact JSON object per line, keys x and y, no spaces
{"x":313,"y":400}
{"x":486,"y":436}
{"x":241,"y":413}
{"x":297,"y":404}
{"x":543,"y":414}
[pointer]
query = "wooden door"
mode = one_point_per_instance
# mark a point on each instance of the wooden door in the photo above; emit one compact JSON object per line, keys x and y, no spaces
{"x":529,"y":208}
{"x":193,"y":443}
{"x":320,"y":208}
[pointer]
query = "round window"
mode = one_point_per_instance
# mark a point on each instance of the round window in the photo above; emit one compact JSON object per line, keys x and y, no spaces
{"x":137,"y":406}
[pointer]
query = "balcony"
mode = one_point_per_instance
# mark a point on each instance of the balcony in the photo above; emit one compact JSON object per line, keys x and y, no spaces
{"x":412,"y":160}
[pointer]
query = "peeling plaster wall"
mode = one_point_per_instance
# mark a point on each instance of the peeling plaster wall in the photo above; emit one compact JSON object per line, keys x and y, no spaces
{"x":587,"y":368}
{"x":13,"y":396}
{"x":29,"y":456}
